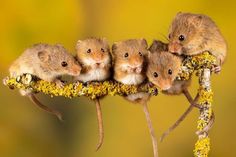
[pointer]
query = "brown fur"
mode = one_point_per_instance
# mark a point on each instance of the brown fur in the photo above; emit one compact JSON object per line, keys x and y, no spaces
{"x":134,"y":64}
{"x":45,"y":62}
{"x":201,"y":34}
{"x":96,"y":64}
{"x":160,"y":63}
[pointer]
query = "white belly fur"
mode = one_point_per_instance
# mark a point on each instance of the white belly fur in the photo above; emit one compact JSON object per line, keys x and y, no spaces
{"x":132,"y":79}
{"x":93,"y":75}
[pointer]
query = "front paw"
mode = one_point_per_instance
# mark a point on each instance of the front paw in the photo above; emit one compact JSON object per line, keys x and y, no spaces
{"x":138,"y":70}
{"x":59,"y":83}
{"x":216,"y":69}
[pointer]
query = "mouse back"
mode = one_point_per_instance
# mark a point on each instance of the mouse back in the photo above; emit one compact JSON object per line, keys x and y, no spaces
{"x":191,"y":34}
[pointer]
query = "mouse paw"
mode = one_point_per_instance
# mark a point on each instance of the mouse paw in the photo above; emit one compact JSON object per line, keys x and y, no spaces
{"x":138,"y":70}
{"x":59,"y":83}
{"x":216,"y":69}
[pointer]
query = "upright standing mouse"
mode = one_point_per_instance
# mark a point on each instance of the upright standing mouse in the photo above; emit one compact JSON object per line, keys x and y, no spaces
{"x":129,"y":58}
{"x":47,"y":62}
{"x":163,"y":68}
{"x":191,"y":34}
{"x":94,"y":56}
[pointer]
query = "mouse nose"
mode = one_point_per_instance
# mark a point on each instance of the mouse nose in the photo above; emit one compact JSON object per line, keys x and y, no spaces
{"x":175,"y":48}
{"x":165,"y":85}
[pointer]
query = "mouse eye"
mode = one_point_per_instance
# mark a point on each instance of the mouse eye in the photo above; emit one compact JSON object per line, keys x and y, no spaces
{"x":169,"y":36}
{"x":126,"y":55}
{"x":140,"y":54}
{"x":64,"y":64}
{"x":181,"y":38}
{"x":170,"y":72}
{"x":155,"y":74}
{"x":102,"y":50}
{"x":89,"y":50}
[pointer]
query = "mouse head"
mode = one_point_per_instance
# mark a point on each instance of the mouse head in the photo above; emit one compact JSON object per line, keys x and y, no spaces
{"x":130,"y":54}
{"x":93,"y":52}
{"x":59,"y":61}
{"x":163,"y":67}
{"x":186,"y":33}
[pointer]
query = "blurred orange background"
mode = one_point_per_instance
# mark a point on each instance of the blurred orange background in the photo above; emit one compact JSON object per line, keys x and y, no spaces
{"x":26,"y":131}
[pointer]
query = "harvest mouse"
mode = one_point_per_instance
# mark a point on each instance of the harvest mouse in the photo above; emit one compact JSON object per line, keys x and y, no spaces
{"x":191,"y":34}
{"x":94,"y":56}
{"x":129,"y":58}
{"x":47,"y":62}
{"x":163,"y":68}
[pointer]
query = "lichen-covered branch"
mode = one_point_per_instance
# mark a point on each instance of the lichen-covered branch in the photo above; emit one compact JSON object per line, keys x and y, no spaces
{"x":202,"y":146}
{"x":92,"y":90}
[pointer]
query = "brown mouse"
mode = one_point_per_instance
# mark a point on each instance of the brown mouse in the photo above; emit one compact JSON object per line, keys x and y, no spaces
{"x":47,"y":62}
{"x":94,"y":56}
{"x":163,"y":68}
{"x":129,"y":58}
{"x":191,"y":34}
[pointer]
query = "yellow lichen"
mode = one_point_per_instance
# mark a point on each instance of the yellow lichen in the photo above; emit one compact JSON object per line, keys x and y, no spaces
{"x":92,"y":90}
{"x":195,"y":63}
{"x":202,"y":147}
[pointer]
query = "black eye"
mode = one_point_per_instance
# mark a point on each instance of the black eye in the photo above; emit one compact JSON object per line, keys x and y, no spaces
{"x":155,"y":74}
{"x":169,"y":36}
{"x":64,"y":64}
{"x":102,"y":50}
{"x":181,"y":38}
{"x":170,"y":72}
{"x":140,"y":54}
{"x":126,"y":55}
{"x":89,"y":50}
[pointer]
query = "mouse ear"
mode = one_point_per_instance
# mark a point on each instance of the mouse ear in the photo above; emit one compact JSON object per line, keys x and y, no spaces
{"x":105,"y":41}
{"x":144,"y":43}
{"x":44,"y":56}
{"x":196,"y":20}
{"x":158,"y":46}
{"x":78,"y":44}
{"x":114,"y":47}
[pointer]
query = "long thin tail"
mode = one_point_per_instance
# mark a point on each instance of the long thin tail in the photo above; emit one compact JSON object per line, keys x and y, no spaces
{"x":45,"y":108}
{"x":151,"y":129}
{"x":207,"y":128}
{"x":184,"y":115}
{"x":100,"y":124}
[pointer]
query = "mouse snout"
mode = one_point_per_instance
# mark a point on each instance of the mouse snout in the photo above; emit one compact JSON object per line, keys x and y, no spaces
{"x":136,"y":68}
{"x":165,"y":85}
{"x":175,"y":48}
{"x":97,"y":57}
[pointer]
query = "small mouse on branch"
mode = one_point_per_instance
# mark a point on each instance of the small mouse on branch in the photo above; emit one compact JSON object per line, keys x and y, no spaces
{"x":47,"y":62}
{"x":191,"y":34}
{"x":163,"y":68}
{"x":94,"y":56}
{"x":129,"y":68}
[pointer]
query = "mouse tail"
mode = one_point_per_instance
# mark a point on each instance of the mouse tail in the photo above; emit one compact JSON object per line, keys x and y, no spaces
{"x":184,"y":115}
{"x":43,"y":107}
{"x":100,"y":124}
{"x":207,"y":128}
{"x":151,"y":129}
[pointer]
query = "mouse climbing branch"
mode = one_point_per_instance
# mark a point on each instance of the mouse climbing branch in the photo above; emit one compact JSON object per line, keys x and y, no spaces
{"x":201,"y":64}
